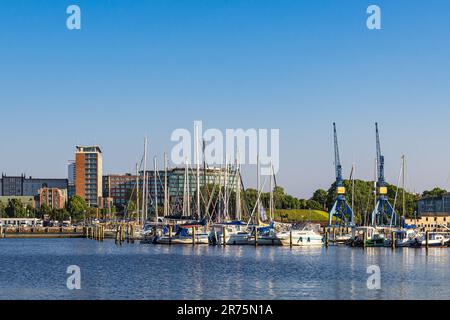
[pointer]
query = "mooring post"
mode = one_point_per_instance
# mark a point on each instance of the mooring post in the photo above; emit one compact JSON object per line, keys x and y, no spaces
{"x":364,"y":239}
{"x":193,"y":235}
{"x":256,"y":236}
{"x":326,"y":238}
{"x":290,"y":238}
{"x":393,"y":239}
{"x":224,"y":236}
{"x":132,"y":233}
{"x":170,"y":234}
{"x":427,"y":237}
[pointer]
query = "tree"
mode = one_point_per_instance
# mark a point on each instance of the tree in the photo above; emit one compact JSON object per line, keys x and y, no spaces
{"x":313,"y":204}
{"x":16,"y":209}
{"x":320,"y":196}
{"x":2,"y":210}
{"x":77,"y":207}
{"x":45,"y":209}
{"x":436,"y":192}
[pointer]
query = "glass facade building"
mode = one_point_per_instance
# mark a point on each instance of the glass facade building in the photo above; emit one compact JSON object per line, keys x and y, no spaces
{"x":434,"y":206}
{"x":119,"y":187}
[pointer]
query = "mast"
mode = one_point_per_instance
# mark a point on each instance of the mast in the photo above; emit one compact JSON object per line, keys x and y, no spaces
{"x":188,"y":190}
{"x":137,"y":192}
{"x":144,"y":185}
{"x":353,"y":186}
{"x":225,"y":185}
{"x":271,"y":192}
{"x":155,"y":173}
{"x":257,"y":188}
{"x":205,"y":184}
{"x":166,"y":200}
{"x":238,"y":190}
{"x":184,"y":189}
{"x":199,"y":215}
{"x":403,"y":187}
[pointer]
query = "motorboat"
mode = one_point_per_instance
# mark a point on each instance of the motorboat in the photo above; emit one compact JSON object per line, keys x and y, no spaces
{"x":235,"y":233}
{"x":403,"y":238}
{"x":305,"y":237}
{"x":367,"y":237}
{"x":434,"y":240}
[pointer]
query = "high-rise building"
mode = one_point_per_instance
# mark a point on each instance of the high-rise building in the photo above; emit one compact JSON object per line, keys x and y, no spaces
{"x":88,"y":174}
{"x":71,"y":169}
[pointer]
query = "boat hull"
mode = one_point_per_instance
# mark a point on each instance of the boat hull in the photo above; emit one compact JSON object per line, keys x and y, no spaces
{"x":181,"y":240}
{"x":268,"y":241}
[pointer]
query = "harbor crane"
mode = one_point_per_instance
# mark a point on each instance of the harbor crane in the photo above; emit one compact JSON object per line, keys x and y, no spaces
{"x":383,"y":213}
{"x":341,"y":210}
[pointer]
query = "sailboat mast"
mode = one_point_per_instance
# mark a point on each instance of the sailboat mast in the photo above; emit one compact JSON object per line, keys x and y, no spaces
{"x":155,"y":173}
{"x":353,"y":190}
{"x":166,"y":203}
{"x":257,"y":188}
{"x":144,"y":185}
{"x":184,"y":189}
{"x":137,"y":192}
{"x":238,"y":190}
{"x":225,"y":195}
{"x":199,"y":215}
{"x":188,"y":194}
{"x":271,"y":192}
{"x":403,"y":186}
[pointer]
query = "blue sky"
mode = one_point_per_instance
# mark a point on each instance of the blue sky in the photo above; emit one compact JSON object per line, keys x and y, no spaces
{"x":149,"y":67}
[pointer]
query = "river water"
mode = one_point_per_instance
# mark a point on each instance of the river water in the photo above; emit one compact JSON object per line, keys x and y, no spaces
{"x":37,"y":269}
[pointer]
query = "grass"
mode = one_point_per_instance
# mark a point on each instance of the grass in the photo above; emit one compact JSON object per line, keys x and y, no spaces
{"x":301,"y":215}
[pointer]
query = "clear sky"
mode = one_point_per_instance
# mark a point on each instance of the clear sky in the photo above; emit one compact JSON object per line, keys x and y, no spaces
{"x":149,"y":67}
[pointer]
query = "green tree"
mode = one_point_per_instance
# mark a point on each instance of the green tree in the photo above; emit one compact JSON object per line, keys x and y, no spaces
{"x":16,"y":209}
{"x":2,"y":210}
{"x":45,"y":209}
{"x":77,"y":208}
{"x":436,"y":192}
{"x":320,"y":196}
{"x":313,"y":204}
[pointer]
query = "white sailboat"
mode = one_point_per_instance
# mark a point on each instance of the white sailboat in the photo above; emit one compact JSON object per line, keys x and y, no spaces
{"x":232,"y":232}
{"x":267,"y":235}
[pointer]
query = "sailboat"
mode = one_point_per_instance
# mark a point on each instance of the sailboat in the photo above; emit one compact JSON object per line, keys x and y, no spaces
{"x":231,"y":232}
{"x":267,"y":234}
{"x":192,"y":231}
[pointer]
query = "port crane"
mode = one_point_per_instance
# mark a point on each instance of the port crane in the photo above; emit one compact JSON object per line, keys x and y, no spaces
{"x":383,"y":213}
{"x":341,"y":210}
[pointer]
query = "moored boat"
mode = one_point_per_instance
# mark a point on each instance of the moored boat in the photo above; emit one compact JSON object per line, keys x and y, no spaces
{"x":403,"y":238}
{"x":434,"y":240}
{"x":305,"y":237}
{"x":367,"y":237}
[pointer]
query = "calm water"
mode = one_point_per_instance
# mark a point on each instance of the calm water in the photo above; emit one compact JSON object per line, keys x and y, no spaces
{"x":36,"y":269}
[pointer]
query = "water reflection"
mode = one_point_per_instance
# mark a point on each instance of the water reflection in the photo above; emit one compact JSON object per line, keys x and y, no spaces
{"x":132,"y":271}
